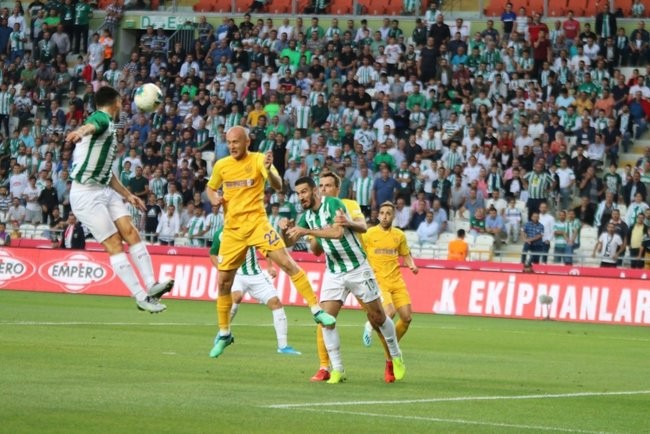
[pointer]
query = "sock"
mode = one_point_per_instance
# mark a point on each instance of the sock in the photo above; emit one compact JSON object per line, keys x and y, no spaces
{"x":400,"y":329}
{"x":323,"y":357}
{"x":303,"y":286}
{"x":281,"y":327}
{"x":368,"y":327}
{"x":224,"y":303}
{"x":333,"y":345}
{"x":388,"y":331}
{"x":125,"y":272}
{"x":142,"y":260}
{"x":233,"y":311}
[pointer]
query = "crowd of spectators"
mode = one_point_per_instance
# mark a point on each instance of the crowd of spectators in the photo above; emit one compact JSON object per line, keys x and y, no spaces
{"x":449,"y":125}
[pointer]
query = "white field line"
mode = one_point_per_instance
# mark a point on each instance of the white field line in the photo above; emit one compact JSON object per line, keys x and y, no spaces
{"x":306,"y":324}
{"x":456,"y":421}
{"x":460,"y":399}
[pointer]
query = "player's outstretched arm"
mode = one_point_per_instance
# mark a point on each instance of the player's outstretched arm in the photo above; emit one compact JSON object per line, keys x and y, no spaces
{"x":79,"y":133}
{"x":408,"y":261}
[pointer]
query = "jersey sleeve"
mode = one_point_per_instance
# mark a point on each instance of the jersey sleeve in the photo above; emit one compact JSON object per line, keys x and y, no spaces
{"x":353,"y":209}
{"x":403,"y":247}
{"x":100,"y":121}
{"x":216,"y":243}
{"x":302,"y":221}
{"x":215,"y":179}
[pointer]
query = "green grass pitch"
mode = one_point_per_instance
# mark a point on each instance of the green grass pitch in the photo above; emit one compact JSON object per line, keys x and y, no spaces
{"x":89,"y":364}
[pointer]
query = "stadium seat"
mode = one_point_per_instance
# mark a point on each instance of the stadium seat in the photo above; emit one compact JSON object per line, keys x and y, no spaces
{"x":446,"y":237}
{"x":394,"y":8}
{"x":340,"y":7}
{"x":280,"y":6}
{"x":462,"y":224}
{"x":181,"y":242}
{"x":557,"y":8}
{"x":588,"y":232}
{"x":204,"y":6}
{"x":42,"y":232}
{"x":411,"y":237}
{"x":27,"y":230}
{"x":536,"y":6}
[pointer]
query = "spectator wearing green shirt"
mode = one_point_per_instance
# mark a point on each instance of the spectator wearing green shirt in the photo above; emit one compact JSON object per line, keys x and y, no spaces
{"x":415,"y":98}
{"x":384,"y":157}
{"x":83,"y":12}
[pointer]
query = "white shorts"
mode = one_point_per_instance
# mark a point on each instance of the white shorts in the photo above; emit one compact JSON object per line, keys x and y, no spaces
{"x":360,"y":282}
{"x":97,"y":207}
{"x":259,"y":286}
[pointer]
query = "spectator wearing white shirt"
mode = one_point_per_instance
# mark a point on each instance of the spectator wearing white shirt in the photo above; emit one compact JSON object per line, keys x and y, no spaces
{"x":548,"y":221}
{"x":523,"y":140}
{"x":472,"y":171}
{"x":428,"y":230}
{"x":402,"y":215}
{"x":168,"y":226}
{"x":567,"y":181}
{"x":609,"y":247}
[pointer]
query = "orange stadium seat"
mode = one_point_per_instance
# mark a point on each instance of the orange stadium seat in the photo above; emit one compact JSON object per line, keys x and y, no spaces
{"x":557,"y":8}
{"x":394,"y":7}
{"x":338,"y":7}
{"x":536,"y":6}
{"x":280,"y":6}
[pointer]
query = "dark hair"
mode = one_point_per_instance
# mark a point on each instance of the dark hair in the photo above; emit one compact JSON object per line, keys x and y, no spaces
{"x":461,"y":233}
{"x":334,"y":176}
{"x":306,"y":180}
{"x":106,"y":96}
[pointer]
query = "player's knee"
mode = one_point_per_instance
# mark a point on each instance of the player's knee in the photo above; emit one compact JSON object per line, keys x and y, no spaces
{"x":237,"y":297}
{"x":113,"y":244}
{"x":274,"y":303}
{"x":406,"y":318}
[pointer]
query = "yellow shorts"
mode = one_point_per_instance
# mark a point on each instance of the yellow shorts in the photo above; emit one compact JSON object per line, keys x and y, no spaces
{"x":235,"y":243}
{"x":394,"y":293}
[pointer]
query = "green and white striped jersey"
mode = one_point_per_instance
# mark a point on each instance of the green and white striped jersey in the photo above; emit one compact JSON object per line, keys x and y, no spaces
{"x":250,"y":267}
{"x":93,"y":156}
{"x":6,"y":100}
{"x":363,"y":190}
{"x":560,"y":227}
{"x":174,"y":199}
{"x":158,"y":186}
{"x":343,"y":255}
{"x":302,"y":114}
{"x":538,"y":184}
{"x":216,"y":223}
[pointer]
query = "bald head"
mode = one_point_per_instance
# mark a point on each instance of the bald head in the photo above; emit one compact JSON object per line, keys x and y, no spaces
{"x":237,"y":140}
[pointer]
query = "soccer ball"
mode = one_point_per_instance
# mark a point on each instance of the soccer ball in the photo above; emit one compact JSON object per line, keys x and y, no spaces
{"x":148,"y":97}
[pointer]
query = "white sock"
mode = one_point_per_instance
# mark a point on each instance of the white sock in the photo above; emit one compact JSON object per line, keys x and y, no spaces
{"x":315,"y":309}
{"x":333,"y":345}
{"x":125,"y":272}
{"x":368,"y":327}
{"x":142,"y":261}
{"x":233,"y":311}
{"x":281,"y":327}
{"x":387,"y":329}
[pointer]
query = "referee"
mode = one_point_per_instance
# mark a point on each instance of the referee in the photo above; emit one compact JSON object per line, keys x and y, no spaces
{"x":538,"y":183}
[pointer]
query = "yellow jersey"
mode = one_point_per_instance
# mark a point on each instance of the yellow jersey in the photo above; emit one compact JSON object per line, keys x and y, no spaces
{"x":243,"y":189}
{"x":384,"y":247}
{"x":353,"y":208}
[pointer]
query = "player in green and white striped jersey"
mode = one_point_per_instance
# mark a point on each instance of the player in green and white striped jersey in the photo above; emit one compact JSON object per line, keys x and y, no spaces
{"x":252,"y":280}
{"x":346,"y":271}
{"x":97,"y":200}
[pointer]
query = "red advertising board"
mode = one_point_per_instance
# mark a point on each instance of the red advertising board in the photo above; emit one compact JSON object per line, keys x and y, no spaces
{"x":472,"y":289}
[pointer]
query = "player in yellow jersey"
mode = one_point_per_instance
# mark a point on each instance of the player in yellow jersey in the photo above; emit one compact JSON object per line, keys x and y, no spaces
{"x":329,"y":185}
{"x":384,"y":246}
{"x":242,"y":177}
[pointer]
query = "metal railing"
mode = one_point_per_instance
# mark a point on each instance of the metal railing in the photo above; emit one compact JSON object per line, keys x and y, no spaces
{"x":184,"y":34}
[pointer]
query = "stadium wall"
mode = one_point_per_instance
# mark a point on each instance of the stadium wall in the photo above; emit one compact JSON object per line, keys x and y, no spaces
{"x":452,"y":288}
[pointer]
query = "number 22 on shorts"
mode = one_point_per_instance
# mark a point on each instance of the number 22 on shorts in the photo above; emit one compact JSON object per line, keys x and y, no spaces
{"x":272,"y":237}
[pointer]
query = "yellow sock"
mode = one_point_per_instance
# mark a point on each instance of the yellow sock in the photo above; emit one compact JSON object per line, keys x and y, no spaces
{"x":400,"y":329}
{"x":303,"y":286}
{"x":385,"y":345}
{"x":323,"y":357}
{"x":224,"y":303}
